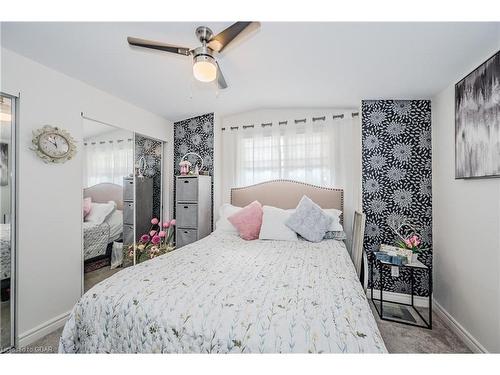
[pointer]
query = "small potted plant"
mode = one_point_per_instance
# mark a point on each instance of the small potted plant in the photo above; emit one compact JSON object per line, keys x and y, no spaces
{"x":156,"y":242}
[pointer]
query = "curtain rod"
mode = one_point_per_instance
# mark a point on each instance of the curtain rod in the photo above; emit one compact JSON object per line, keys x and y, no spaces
{"x":296,"y":121}
{"x":110,"y":141}
{"x":101,"y":122}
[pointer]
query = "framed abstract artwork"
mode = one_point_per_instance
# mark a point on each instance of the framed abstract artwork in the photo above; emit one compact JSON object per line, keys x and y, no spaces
{"x":477,"y":122}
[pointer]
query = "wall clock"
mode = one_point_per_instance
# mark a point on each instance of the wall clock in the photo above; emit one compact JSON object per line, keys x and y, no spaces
{"x":53,"y":145}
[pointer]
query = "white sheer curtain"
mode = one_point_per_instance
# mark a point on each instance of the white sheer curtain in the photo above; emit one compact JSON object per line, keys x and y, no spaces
{"x":324,"y":152}
{"x":107,"y":161}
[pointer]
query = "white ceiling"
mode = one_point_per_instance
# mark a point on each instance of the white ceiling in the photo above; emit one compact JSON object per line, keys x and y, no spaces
{"x":282,"y":65}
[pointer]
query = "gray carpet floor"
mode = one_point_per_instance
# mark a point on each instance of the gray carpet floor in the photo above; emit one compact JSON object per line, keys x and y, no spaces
{"x":94,"y":277}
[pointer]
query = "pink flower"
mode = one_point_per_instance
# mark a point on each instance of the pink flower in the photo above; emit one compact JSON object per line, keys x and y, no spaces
{"x":408,"y":243}
{"x":144,"y":238}
{"x":154,"y":221}
{"x":166,"y":224}
{"x":162,"y":233}
{"x":156,"y":240}
{"x":415,"y":241}
{"x":152,"y":233}
{"x":172,"y":222}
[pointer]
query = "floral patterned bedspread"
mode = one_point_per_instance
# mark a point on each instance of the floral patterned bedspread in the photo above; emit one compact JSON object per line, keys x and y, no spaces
{"x":95,"y":239}
{"x":226,"y":295}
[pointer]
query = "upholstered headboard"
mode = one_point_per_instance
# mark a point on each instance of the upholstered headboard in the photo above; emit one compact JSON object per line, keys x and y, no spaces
{"x":286,"y":194}
{"x":105,"y":192}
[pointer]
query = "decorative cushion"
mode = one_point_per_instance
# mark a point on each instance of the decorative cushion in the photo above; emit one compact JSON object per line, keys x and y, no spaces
{"x":335,"y":214}
{"x":248,"y":221}
{"x":309,"y":220}
{"x":223,"y":224}
{"x":273,"y":225}
{"x":87,"y":206}
{"x":100,"y":211}
{"x":335,"y":235}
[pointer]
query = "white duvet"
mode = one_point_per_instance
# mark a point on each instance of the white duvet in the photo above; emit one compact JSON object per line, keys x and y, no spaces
{"x":226,"y":295}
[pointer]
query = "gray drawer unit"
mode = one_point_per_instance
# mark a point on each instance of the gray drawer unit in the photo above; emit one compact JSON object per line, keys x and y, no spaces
{"x":193,"y":208}
{"x":128,"y":235}
{"x":128,"y":213}
{"x":128,"y":189}
{"x":186,"y":236}
{"x":137,"y":205}
{"x":187,"y":214}
{"x":187,"y":189}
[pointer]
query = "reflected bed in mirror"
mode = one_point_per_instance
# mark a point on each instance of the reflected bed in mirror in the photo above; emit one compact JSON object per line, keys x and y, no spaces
{"x":108,"y":158}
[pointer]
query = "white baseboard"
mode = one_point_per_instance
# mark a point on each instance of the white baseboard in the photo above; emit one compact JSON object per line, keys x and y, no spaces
{"x":456,"y":327}
{"x":34,"y":334}
{"x":399,"y":297}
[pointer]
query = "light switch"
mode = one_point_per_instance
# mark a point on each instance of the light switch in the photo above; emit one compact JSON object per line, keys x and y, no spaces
{"x":394,"y":271}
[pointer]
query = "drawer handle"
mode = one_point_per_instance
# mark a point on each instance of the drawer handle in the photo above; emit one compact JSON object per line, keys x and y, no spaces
{"x":186,"y":232}
{"x":186,"y":181}
{"x":186,"y":206}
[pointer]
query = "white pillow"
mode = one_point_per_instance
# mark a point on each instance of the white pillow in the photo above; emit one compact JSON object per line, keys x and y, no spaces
{"x":223,"y":223}
{"x":100,"y":211}
{"x":335,"y":214}
{"x":273,"y":225}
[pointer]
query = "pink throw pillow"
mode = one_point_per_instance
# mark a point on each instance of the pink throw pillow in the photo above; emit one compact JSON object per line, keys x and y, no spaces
{"x":87,"y":206}
{"x":248,"y":221}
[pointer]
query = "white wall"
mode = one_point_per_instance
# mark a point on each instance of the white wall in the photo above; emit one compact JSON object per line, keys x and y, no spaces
{"x":351,"y":152}
{"x":466,"y":231}
{"x":49,"y":196}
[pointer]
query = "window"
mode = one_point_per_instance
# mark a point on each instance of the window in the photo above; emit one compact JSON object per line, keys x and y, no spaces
{"x":108,"y":161}
{"x":301,"y":153}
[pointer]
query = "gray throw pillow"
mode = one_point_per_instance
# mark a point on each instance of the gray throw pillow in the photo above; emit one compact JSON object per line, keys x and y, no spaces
{"x":309,"y":220}
{"x":335,"y":235}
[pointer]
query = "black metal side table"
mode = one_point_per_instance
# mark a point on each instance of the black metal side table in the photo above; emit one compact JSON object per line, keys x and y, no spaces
{"x":379,"y":302}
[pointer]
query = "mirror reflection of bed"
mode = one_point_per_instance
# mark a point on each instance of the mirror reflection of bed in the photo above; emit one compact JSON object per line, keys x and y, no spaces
{"x":122,"y":192}
{"x":108,"y":161}
{"x":103,"y":233}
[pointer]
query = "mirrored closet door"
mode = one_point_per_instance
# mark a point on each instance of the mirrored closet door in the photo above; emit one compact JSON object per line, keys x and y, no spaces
{"x":7,"y":220}
{"x":122,"y":193}
{"x":108,"y":168}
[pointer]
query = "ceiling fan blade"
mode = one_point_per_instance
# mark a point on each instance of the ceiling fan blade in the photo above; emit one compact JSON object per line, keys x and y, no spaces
{"x":157,"y":45}
{"x":221,"y":81}
{"x":238,"y":29}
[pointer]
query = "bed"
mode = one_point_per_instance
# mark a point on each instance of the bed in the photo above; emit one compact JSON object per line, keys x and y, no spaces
{"x":226,"y":295}
{"x":98,"y":238}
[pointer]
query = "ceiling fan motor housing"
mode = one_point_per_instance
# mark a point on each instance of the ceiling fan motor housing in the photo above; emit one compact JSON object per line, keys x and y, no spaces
{"x":204,"y":34}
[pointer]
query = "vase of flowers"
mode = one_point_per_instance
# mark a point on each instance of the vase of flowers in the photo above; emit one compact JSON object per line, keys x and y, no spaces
{"x":156,"y":242}
{"x":411,"y":243}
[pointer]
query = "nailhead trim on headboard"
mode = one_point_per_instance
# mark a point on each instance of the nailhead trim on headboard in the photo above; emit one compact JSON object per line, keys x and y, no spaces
{"x":299,"y":183}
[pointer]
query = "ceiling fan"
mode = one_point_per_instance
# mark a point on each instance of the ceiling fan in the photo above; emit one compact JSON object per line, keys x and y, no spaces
{"x":205,"y":65}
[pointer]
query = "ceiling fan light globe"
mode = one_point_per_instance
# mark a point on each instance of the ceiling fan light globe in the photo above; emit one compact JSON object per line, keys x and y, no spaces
{"x":204,"y":68}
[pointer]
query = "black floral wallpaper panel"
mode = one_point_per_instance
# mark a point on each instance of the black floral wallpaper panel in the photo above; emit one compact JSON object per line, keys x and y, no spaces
{"x":397,"y":180}
{"x":151,"y":150}
{"x":195,"y":135}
